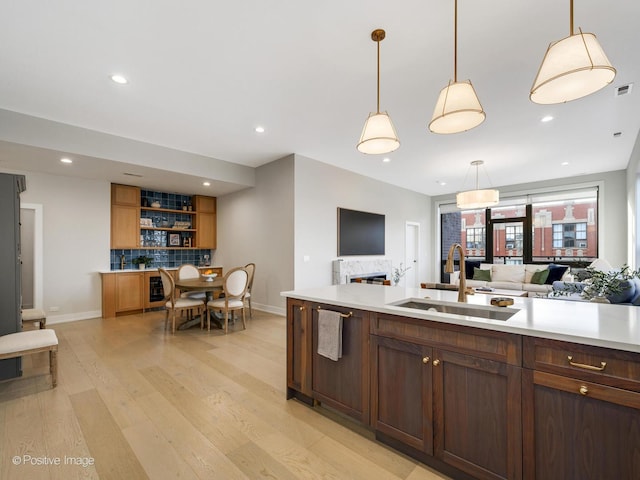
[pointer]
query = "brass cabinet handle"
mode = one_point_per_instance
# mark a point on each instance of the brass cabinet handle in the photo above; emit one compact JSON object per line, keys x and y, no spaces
{"x":583,"y":390}
{"x":301,"y":308}
{"x":436,"y":362}
{"x":586,"y":367}
{"x":425,"y":360}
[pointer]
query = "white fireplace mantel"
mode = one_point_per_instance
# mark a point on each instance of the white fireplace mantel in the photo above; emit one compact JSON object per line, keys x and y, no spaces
{"x":344,"y":269}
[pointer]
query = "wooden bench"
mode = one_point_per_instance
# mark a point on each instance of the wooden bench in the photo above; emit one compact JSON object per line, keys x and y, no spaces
{"x":32,"y":341}
{"x":34,"y":315}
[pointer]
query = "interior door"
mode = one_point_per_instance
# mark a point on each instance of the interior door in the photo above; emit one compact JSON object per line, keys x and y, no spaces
{"x":411,"y":252}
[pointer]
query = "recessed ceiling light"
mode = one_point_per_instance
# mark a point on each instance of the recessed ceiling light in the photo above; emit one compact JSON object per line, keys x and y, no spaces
{"x":66,"y":160}
{"x":206,"y":184}
{"x":386,"y":159}
{"x":121,"y":79}
{"x":259,"y":129}
{"x":441,"y":183}
{"x":564,"y":164}
{"x":546,"y":118}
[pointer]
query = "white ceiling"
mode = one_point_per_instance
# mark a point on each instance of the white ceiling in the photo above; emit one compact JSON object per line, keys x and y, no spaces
{"x":203,"y":74}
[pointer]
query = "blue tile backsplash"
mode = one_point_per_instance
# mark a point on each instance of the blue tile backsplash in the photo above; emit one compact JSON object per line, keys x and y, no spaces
{"x":161,"y":258}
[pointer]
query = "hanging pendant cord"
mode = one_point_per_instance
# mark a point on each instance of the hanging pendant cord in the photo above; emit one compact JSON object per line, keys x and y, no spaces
{"x":570,"y":17}
{"x":378,"y":98}
{"x":455,"y":42}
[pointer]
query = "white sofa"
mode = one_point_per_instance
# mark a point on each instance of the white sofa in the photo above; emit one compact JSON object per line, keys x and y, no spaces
{"x":511,"y":277}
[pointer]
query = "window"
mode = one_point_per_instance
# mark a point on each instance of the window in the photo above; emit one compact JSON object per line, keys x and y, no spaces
{"x":560,"y":226}
{"x":570,"y":235}
{"x":513,"y":237}
{"x":475,"y":238}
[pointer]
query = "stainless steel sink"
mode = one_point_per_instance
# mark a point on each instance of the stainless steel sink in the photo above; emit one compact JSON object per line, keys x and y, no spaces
{"x":456,"y":308}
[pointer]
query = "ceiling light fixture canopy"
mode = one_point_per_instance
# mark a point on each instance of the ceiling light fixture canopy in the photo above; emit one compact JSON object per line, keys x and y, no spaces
{"x":477,"y":198}
{"x":458,"y":108}
{"x":378,"y":135}
{"x":572,"y":68}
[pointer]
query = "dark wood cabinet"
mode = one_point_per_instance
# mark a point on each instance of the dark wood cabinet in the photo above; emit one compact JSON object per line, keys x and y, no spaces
{"x":401,"y":392}
{"x":299,"y":349}
{"x":344,"y":384}
{"x":450,"y":392}
{"x":475,"y":403}
{"x":582,"y":412}
{"x":477,"y":415}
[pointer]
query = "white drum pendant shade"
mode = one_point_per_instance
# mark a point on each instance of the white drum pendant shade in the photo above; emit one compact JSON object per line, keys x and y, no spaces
{"x":573,"y":67}
{"x":457,"y":109}
{"x":477,"y":199}
{"x":378,"y":135}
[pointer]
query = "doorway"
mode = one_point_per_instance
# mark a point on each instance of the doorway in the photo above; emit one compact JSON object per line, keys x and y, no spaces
{"x":412,"y":253}
{"x":31,"y":255}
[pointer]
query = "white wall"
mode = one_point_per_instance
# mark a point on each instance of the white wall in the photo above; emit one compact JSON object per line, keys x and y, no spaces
{"x":256,"y":225}
{"x":320,"y":189}
{"x":633,"y":205}
{"x":76,"y":217}
{"x":613,"y":215}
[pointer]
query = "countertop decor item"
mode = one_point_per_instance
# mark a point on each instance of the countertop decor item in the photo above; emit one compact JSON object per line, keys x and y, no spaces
{"x":155,"y":205}
{"x":209,"y":276}
{"x":398,"y":273}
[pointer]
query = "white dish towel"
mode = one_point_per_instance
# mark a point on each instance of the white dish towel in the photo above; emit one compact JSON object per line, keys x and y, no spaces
{"x":330,"y":334}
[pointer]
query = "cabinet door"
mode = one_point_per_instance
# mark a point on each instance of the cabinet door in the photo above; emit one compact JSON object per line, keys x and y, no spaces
{"x":580,"y":430}
{"x":401,"y":405}
{"x":298,"y":348}
{"x":206,"y":230}
{"x":344,"y":385}
{"x":205,"y":204}
{"x":125,"y":195}
{"x":129,"y":291}
{"x":477,"y":415}
{"x":125,"y":227}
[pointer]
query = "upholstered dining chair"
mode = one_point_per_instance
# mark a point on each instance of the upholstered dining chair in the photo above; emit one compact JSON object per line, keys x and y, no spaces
{"x":234,"y":285}
{"x":174,"y":304}
{"x":186,"y":272}
{"x":251,"y":270}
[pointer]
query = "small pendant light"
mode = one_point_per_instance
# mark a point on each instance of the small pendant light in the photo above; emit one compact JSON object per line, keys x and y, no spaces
{"x":458,"y":108}
{"x":378,"y":135}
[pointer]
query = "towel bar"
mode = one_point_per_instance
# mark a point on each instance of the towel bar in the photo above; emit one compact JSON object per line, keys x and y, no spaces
{"x":343,"y":315}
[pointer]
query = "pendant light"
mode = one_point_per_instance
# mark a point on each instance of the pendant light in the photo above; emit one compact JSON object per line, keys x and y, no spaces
{"x":378,"y":135}
{"x":477,"y":198}
{"x":572,"y":68}
{"x":458,"y":108}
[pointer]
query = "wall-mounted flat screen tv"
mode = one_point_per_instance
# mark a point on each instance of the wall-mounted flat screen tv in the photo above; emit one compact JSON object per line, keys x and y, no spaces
{"x":360,"y":233}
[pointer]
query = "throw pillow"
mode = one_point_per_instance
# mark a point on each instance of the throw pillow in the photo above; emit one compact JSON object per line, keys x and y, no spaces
{"x":479,"y":274}
{"x":626,"y":293}
{"x":469,"y":265}
{"x":540,"y":276}
{"x":555,"y":273}
{"x":507,"y":273}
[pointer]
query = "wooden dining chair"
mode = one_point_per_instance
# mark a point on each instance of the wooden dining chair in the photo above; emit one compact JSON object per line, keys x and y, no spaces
{"x":185,"y":272}
{"x":174,"y":304}
{"x":251,"y":270}
{"x":234,"y":285}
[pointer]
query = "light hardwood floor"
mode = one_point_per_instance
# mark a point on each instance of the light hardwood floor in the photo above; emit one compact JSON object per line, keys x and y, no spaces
{"x":135,"y":402}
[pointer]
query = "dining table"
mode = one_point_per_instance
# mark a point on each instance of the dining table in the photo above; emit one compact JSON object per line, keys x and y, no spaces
{"x":201,"y":284}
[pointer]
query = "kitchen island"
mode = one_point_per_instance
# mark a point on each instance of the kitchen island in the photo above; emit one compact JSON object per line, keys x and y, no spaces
{"x":551,"y":392}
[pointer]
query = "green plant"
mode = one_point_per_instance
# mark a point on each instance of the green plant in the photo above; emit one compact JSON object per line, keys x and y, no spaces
{"x":142,"y":259}
{"x":600,"y":284}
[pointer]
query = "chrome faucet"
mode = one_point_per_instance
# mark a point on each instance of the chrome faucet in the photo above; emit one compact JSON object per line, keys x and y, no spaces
{"x":448,"y":268}
{"x":122,"y":262}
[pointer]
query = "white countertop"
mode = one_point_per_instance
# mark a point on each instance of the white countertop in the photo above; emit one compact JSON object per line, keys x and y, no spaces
{"x":604,"y":325}
{"x":149,"y":269}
